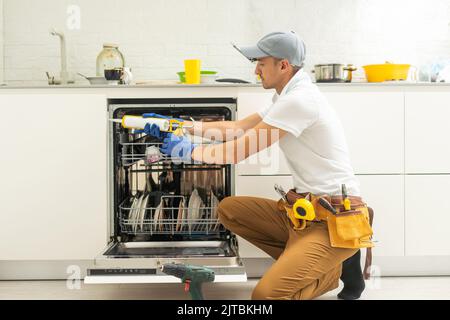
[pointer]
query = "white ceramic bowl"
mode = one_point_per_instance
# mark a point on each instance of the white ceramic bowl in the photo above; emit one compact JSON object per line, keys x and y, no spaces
{"x":208,"y":78}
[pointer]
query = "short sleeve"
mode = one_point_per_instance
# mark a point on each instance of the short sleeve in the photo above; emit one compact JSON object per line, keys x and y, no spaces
{"x":292,"y":114}
{"x":262,"y":113}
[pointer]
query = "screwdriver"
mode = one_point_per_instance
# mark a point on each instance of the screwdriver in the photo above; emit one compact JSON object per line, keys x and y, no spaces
{"x":324,"y":203}
{"x":345,"y":200}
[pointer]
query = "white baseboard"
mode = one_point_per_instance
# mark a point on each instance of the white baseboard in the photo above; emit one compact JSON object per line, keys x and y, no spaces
{"x":43,"y":270}
{"x":255,"y":267}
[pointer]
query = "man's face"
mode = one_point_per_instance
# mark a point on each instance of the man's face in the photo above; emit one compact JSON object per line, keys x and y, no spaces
{"x":270,"y":70}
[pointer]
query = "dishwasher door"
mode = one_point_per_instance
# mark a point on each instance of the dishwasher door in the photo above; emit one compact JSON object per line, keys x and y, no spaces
{"x":141,"y":262}
{"x":146,"y":235}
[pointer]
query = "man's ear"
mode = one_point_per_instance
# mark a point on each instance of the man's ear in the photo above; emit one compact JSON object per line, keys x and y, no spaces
{"x":284,"y":64}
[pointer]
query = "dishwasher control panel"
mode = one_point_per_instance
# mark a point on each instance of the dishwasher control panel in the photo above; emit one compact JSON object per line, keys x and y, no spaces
{"x":121,"y":271}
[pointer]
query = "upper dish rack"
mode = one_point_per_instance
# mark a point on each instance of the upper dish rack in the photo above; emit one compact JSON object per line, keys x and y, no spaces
{"x":133,"y":153}
{"x":147,"y":149}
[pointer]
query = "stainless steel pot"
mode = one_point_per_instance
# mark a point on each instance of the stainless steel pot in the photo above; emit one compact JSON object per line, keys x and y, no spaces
{"x":333,"y":72}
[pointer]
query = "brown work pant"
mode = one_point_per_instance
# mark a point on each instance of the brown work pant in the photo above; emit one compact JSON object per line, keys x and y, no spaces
{"x":306,"y":265}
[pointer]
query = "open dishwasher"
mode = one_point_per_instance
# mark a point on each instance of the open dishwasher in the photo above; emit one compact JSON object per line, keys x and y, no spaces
{"x":160,"y":210}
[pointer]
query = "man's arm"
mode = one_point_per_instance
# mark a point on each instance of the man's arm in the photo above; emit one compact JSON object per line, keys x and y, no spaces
{"x":223,"y":130}
{"x":231,"y":152}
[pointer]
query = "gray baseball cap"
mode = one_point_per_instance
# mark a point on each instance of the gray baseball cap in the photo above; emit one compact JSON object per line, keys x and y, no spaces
{"x":281,"y":45}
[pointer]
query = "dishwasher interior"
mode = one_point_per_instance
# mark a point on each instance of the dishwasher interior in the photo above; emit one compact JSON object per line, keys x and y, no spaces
{"x":161,"y":210}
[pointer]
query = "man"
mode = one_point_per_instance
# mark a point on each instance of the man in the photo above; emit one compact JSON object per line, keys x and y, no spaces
{"x":313,"y":142}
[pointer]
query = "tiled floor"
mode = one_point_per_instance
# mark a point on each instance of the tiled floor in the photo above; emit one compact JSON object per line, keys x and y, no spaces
{"x":378,"y":288}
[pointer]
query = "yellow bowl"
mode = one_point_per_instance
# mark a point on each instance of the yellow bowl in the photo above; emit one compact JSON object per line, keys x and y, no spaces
{"x":386,"y":72}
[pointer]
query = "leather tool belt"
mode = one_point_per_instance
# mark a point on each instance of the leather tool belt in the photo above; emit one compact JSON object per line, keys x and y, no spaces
{"x":347,"y":228}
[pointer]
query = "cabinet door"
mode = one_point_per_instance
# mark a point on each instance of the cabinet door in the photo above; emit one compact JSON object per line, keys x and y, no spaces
{"x":53,"y":171}
{"x":427,"y":132}
{"x":427,"y":215}
{"x":262,"y":186}
{"x":373,"y":125}
{"x":258,"y":186}
{"x":271,"y":160}
{"x":385,"y":194}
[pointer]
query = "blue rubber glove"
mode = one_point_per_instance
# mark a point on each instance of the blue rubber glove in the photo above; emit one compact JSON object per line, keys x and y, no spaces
{"x":153,"y":130}
{"x":178,"y":147}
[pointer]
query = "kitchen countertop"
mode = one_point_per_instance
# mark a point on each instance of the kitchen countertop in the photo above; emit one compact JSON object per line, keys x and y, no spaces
{"x":221,"y":90}
{"x":87,"y":86}
{"x":219,"y":85}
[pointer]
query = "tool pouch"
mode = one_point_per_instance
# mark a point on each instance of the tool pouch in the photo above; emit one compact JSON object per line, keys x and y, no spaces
{"x":347,"y":229}
{"x":350,"y":229}
{"x":353,"y":224}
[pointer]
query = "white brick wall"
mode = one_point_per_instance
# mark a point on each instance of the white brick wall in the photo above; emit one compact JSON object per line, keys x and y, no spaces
{"x":156,"y":36}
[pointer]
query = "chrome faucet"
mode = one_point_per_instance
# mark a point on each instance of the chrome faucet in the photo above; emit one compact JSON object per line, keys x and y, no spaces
{"x":64,"y":74}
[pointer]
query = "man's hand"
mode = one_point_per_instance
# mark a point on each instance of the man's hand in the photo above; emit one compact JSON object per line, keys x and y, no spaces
{"x":178,"y":147}
{"x":153,"y":129}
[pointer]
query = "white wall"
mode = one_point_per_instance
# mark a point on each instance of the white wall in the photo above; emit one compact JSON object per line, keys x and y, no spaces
{"x":1,"y":41}
{"x":157,"y":35}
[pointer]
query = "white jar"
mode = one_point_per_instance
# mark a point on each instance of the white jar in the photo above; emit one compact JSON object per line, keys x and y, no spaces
{"x":109,"y":58}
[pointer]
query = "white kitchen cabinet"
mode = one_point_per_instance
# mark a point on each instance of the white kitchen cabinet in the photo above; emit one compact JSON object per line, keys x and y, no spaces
{"x":385,"y":195}
{"x":373,"y":125}
{"x":262,"y":186}
{"x":271,"y":160}
{"x":427,"y":141}
{"x":427,"y":215}
{"x":248,"y":250}
{"x":53,"y":169}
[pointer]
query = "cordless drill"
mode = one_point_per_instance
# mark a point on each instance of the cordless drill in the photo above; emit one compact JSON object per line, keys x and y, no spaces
{"x":192,"y":276}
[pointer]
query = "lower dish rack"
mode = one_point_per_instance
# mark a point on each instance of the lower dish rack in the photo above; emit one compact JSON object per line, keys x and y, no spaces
{"x":173,"y":216}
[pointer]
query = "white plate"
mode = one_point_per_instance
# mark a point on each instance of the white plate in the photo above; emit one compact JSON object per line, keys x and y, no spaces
{"x":132,"y":205}
{"x":158,"y":214}
{"x":193,"y":206}
{"x":181,"y":218}
{"x":162,"y":217}
{"x":131,"y":216}
{"x":196,"y":211}
{"x":214,"y":204}
{"x":142,"y":211}
{"x":136,"y":213}
{"x":190,"y":208}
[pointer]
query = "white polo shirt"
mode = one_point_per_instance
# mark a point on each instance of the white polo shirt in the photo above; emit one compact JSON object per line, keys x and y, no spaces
{"x":315,"y":146}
